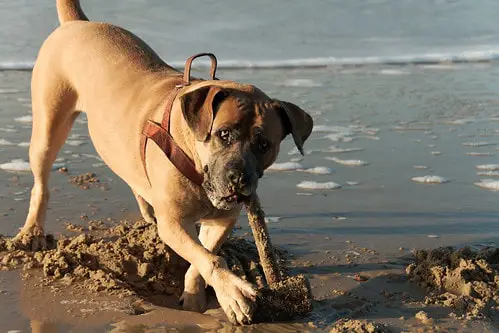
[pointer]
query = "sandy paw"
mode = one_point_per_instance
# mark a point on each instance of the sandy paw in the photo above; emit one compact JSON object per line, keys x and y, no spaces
{"x":195,"y":302}
{"x":32,"y":240}
{"x":236,"y":297}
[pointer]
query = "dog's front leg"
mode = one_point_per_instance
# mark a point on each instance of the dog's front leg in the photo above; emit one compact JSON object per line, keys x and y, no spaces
{"x":212,"y":235}
{"x":234,"y":294}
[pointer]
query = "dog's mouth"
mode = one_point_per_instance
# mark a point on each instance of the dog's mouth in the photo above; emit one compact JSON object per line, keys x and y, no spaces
{"x":235,"y":197}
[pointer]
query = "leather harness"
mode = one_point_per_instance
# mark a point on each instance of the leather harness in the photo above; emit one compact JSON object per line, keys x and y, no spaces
{"x":160,"y":133}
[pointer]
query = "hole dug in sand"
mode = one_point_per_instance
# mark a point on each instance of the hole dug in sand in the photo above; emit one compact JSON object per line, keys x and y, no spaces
{"x":127,"y":259}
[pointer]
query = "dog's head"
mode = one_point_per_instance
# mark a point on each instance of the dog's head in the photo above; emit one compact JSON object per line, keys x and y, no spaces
{"x":238,"y":132}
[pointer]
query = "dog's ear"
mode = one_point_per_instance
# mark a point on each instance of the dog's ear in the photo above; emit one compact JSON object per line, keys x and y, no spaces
{"x":297,"y":122}
{"x":198,"y":107}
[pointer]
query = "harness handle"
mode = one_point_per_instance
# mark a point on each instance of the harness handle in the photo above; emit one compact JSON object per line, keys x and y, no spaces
{"x":188,"y":64}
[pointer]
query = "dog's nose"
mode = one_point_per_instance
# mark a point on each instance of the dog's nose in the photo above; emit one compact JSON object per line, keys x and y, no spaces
{"x":235,"y":177}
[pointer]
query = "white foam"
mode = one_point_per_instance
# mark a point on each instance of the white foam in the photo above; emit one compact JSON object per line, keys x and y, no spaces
{"x":409,"y":128}
{"x":339,"y":137}
{"x":489,"y":173}
{"x":436,"y":153}
{"x":393,"y":72}
{"x":334,"y":149}
{"x":430,"y":179}
{"x":24,"y":119}
{"x":296,"y":159}
{"x":475,"y":153}
{"x":9,"y":91}
{"x":431,"y":60}
{"x":9,"y":130}
{"x":294,"y":151}
{"x":459,"y":121}
{"x":16,"y":165}
{"x":23,"y":165}
{"x":4,"y":142}
{"x":23,"y":144}
{"x":310,"y":185}
{"x":347,"y":162}
{"x":488,"y":167}
{"x":420,"y":167}
{"x":319,"y":170}
{"x":75,"y":142}
{"x":98,"y":165}
{"x":368,"y":137}
{"x":286,"y":166}
{"x":272,"y":219}
{"x":331,"y":129}
{"x":352,"y":182}
{"x":93,"y":156}
{"x":305,"y":194}
{"x":82,"y":121}
{"x":301,"y":83}
{"x":74,"y":136}
{"x":479,"y":144}
{"x":489,"y":184}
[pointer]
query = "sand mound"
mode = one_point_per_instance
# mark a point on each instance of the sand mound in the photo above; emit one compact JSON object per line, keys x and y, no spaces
{"x":124,"y":259}
{"x":358,"y":326}
{"x":463,"y":279}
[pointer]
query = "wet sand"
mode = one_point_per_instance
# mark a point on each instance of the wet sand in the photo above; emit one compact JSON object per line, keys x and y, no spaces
{"x":353,"y":242}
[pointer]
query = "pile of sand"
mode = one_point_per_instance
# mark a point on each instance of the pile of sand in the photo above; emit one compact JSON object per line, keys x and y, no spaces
{"x":358,"y":326}
{"x":86,"y":181}
{"x":463,"y":279}
{"x":124,"y":259}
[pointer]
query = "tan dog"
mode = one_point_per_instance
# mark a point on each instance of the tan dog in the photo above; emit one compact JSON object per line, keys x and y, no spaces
{"x":231,"y":131}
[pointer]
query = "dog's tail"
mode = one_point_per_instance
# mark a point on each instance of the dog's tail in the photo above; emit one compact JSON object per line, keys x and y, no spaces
{"x":70,"y":10}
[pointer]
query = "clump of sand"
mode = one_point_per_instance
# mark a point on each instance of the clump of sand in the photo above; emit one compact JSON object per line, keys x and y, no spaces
{"x":127,"y":259}
{"x":463,"y":279}
{"x":358,"y":326}
{"x":86,"y":181}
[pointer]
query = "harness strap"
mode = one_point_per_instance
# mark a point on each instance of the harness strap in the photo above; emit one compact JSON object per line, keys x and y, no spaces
{"x":160,"y":133}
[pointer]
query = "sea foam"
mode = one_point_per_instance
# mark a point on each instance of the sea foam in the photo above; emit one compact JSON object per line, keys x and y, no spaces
{"x":430,"y":179}
{"x":310,"y":185}
{"x":347,"y":162}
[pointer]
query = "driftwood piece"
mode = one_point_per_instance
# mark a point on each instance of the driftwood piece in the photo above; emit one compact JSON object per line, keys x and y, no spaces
{"x":256,"y":217}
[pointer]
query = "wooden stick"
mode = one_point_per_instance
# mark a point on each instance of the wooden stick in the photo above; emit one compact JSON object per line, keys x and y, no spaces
{"x":256,"y":218}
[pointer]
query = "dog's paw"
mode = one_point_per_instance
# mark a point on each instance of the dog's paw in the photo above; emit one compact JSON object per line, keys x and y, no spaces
{"x":32,"y":240}
{"x":195,"y":302}
{"x":236,"y":296}
{"x":194,"y":296}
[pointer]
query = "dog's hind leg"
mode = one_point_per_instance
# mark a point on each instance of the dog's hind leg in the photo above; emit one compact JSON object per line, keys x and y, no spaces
{"x":53,"y":116}
{"x":145,"y":208}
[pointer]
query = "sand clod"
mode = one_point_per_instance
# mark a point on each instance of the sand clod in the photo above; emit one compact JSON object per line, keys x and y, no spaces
{"x":358,"y":326}
{"x":464,"y":279}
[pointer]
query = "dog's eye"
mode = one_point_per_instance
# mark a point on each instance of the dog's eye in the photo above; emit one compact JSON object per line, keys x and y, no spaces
{"x":224,"y":134}
{"x":263,"y":145}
